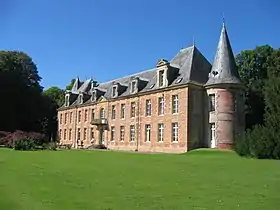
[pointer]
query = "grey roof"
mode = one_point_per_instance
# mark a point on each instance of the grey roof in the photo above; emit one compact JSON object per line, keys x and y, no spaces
{"x":192,"y":67}
{"x":224,"y":69}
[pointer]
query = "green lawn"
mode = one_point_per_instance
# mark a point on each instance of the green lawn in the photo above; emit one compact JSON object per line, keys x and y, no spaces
{"x":72,"y":179}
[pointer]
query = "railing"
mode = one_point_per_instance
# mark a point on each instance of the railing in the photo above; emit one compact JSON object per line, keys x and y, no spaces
{"x":101,"y":121}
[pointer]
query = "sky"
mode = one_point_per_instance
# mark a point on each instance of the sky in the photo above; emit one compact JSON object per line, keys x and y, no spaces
{"x":108,"y":39}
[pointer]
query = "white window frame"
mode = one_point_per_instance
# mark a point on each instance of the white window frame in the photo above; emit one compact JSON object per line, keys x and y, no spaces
{"x":148,"y":107}
{"x":132,"y":133}
{"x":175,"y":104}
{"x":175,"y":132}
{"x":160,"y":132}
{"x":132,"y":109}
{"x":148,"y":133}
{"x":113,"y":133}
{"x":161,"y":106}
{"x":122,"y":111}
{"x":122,"y":133}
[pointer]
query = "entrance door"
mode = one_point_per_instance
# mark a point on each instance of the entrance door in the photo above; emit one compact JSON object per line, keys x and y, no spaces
{"x":101,"y":137}
{"x":212,"y":132}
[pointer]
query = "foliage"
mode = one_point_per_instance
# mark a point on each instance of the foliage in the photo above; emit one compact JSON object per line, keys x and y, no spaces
{"x":21,"y":92}
{"x":69,"y":87}
{"x":253,"y":66}
{"x":263,"y":141}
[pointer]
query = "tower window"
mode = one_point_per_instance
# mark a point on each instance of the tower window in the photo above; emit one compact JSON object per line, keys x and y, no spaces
{"x":212,"y":102}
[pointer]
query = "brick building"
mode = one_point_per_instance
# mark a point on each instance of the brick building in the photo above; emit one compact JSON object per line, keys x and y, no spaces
{"x":179,"y":105}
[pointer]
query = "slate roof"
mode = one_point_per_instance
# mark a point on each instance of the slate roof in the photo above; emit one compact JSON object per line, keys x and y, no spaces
{"x":224,"y":69}
{"x":192,"y":67}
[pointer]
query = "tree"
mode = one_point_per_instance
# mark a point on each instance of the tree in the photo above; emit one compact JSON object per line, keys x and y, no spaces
{"x":253,"y":66}
{"x":54,"y":98}
{"x":21,"y":93}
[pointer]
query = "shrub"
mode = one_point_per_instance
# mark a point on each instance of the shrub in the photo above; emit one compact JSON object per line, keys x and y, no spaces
{"x":260,"y":142}
{"x":25,"y":143}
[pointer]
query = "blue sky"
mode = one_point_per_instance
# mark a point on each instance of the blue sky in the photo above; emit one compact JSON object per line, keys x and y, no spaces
{"x":108,"y":39}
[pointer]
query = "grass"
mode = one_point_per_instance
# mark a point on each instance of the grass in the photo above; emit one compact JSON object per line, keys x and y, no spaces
{"x":49,"y":180}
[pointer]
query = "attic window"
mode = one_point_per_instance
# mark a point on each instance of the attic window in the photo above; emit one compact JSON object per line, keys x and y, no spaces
{"x":115,"y":92}
{"x":153,"y":85}
{"x":67,"y":100}
{"x":179,"y":80}
{"x":93,"y":96}
{"x":80,"y":98}
{"x":133,"y":86}
{"x":161,"y":78}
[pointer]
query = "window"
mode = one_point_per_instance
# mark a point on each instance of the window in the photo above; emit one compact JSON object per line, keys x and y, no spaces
{"x":70,"y":134}
{"x":212,"y":102}
{"x":86,"y":115}
{"x":91,"y":133}
{"x":148,"y":133}
{"x":102,"y":113}
{"x":175,"y":104}
{"x":67,"y":100}
{"x":160,"y":132}
{"x":85,"y":133}
{"x":79,"y":116}
{"x":81,"y":98}
{"x":122,"y":111}
{"x":92,"y":114}
{"x":71,"y":117}
{"x":60,"y":120}
{"x":133,"y":86}
{"x":60,"y":134}
{"x":132,"y":133}
{"x":175,"y":129}
{"x":65,"y":118}
{"x":113,"y":112}
{"x":115,"y":92}
{"x":93,"y":96}
{"x":148,"y":107}
{"x":212,"y":135}
{"x":113,"y":133}
{"x":122,"y":133}
{"x":161,"y":78}
{"x":161,"y":106}
{"x":65,"y":134}
{"x":132,"y":113}
{"x":79,"y":134}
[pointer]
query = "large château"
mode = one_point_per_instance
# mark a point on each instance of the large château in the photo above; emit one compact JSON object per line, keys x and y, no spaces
{"x":179,"y":105}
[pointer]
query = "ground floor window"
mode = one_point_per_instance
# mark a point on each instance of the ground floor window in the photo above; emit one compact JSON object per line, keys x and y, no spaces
{"x":113,"y":133}
{"x":160,"y":132}
{"x":175,"y":132}
{"x":212,"y":135}
{"x":132,"y":133}
{"x":148,"y":133}
{"x":122,"y":133}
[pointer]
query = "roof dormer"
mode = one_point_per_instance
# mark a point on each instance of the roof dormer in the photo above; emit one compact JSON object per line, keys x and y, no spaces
{"x":93,"y":95}
{"x":67,"y":99}
{"x":118,"y":89}
{"x":81,"y":98}
{"x":162,"y":70}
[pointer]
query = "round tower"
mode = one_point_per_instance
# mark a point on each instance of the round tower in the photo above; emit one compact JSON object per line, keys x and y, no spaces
{"x":225,"y":97}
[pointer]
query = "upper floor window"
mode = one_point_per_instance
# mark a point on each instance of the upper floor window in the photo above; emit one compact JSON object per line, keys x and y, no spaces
{"x":133,"y":107}
{"x":175,"y":104}
{"x":86,"y":115}
{"x":92,"y":114}
{"x":161,"y":106}
{"x":148,"y":107}
{"x":212,"y":102}
{"x":115,"y":91}
{"x":102,"y":113}
{"x":113,"y":112}
{"x":161,"y":78}
{"x":71,"y":117}
{"x":79,"y":116}
{"x":65,"y":118}
{"x":133,"y":86}
{"x":122,"y":111}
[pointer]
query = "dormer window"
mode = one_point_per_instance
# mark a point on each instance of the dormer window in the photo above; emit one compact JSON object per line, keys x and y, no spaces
{"x":80,"y":98}
{"x":67,"y":100}
{"x":161,"y":78}
{"x":115,"y":91}
{"x":93,"y":96}
{"x":133,"y":86}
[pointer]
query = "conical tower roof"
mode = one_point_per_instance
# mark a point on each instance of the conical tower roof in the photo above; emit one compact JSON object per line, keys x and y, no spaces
{"x":224,"y":69}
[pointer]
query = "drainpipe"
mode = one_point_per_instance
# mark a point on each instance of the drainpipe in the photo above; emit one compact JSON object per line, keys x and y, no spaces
{"x":138,"y":123}
{"x":75,"y":127}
